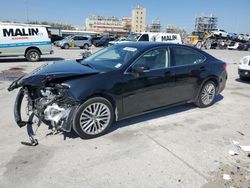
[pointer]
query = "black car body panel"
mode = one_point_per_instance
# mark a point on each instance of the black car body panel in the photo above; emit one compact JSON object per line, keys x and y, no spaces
{"x":51,"y":72}
{"x":130,"y":93}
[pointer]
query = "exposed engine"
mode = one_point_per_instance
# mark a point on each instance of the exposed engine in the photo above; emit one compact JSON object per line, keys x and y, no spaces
{"x":52,"y":110}
{"x":51,"y":104}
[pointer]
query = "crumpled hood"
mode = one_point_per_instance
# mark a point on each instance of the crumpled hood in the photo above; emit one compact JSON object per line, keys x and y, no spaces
{"x":51,"y":71}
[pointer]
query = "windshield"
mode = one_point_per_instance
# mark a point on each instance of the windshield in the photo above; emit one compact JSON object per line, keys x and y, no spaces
{"x":68,"y":37}
{"x":133,"y":37}
{"x":104,"y":39}
{"x":110,"y":58}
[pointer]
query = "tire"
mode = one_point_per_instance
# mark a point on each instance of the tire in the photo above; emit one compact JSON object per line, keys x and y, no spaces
{"x":33,"y":55}
{"x":87,"y":118}
{"x":208,"y":45}
{"x":198,"y":45}
{"x":207,"y":95}
{"x":86,"y":46}
{"x":66,"y":46}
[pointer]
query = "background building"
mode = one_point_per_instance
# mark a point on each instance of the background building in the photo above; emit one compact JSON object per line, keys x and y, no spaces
{"x":205,"y":23}
{"x":127,"y":23}
{"x":104,"y":24}
{"x":138,"y":19}
{"x":155,"y":26}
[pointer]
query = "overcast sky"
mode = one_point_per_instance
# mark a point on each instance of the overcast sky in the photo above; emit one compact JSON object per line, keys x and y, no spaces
{"x":234,"y":15}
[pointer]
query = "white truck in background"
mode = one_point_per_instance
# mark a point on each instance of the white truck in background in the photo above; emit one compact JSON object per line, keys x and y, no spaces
{"x":155,"y":37}
{"x":30,"y":41}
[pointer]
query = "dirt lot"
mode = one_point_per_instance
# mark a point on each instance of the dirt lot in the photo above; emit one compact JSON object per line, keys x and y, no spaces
{"x":179,"y":147}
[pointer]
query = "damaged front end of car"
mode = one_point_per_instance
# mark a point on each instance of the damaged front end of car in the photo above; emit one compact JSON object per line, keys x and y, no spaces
{"x":51,"y":104}
{"x":47,"y":96}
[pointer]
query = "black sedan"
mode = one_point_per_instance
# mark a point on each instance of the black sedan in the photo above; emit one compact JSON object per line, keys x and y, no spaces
{"x":118,"y":82}
{"x":104,"y":41}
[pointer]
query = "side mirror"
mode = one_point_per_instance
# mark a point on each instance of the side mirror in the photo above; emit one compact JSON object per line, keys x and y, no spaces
{"x":139,"y":68}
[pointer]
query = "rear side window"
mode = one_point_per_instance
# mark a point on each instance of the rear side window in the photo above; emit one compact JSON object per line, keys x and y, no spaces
{"x":186,"y":56}
{"x":80,"y":38}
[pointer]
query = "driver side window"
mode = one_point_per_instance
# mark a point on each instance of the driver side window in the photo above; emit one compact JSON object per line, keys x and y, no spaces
{"x":155,"y":59}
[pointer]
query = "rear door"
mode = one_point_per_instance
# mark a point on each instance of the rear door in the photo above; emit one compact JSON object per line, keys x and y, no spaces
{"x":79,"y":41}
{"x":188,"y":66}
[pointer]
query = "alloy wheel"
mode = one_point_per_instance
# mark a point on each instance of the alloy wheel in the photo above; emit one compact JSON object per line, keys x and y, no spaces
{"x":208,"y":94}
{"x":95,"y":118}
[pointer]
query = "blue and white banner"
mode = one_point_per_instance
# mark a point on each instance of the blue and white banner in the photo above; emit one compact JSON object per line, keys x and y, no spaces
{"x":21,"y":44}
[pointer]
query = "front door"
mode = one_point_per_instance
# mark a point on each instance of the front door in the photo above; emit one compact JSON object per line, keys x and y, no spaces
{"x":152,"y":88}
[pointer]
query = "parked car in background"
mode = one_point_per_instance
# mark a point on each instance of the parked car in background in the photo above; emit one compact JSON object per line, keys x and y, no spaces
{"x":243,"y":37}
{"x":155,"y":37}
{"x":232,"y":36}
{"x":95,"y":38}
{"x":118,"y":82}
{"x":30,"y":41}
{"x":244,"y":68}
{"x":220,"y":33}
{"x":76,"y":41}
{"x":117,"y":41}
{"x":55,"y":38}
{"x":104,"y":41}
{"x":244,"y":46}
{"x":233,"y":46}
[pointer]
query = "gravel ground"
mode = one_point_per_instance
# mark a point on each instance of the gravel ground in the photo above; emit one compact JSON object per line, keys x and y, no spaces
{"x":179,"y":147}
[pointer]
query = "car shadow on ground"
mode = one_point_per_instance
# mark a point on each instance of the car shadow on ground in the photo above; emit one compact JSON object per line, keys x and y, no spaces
{"x":146,"y":117}
{"x":19,"y":60}
{"x":247,"y":81}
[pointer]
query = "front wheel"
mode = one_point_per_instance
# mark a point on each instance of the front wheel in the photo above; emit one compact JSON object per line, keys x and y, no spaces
{"x":198,"y":45}
{"x":65,"y":46}
{"x":93,"y":118}
{"x":207,"y":95}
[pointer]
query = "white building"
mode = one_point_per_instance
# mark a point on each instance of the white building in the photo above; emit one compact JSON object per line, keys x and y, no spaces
{"x":104,"y":24}
{"x":139,"y":19}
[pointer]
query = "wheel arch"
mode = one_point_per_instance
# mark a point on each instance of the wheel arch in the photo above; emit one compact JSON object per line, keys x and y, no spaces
{"x":213,"y":78}
{"x":32,"y":47}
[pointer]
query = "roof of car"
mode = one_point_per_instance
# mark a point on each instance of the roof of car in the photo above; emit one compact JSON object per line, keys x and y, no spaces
{"x":145,"y":45}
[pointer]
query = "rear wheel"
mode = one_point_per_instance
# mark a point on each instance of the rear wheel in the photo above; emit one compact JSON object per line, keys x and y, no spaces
{"x":33,"y":55}
{"x":207,"y":95}
{"x":93,"y":118}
